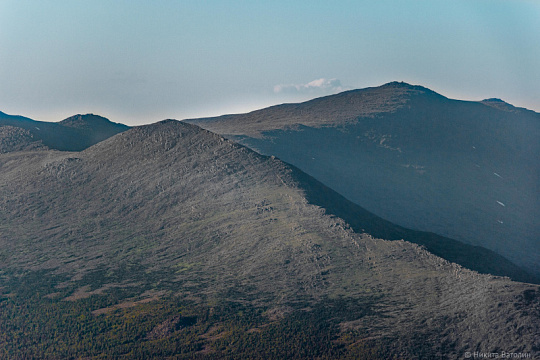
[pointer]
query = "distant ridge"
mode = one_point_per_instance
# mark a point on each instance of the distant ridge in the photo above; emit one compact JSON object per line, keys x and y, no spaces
{"x":332,"y":110}
{"x":86,"y":121}
{"x":75,"y":133}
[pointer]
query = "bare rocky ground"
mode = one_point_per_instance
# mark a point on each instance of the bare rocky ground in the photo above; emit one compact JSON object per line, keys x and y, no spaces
{"x":173,"y":209}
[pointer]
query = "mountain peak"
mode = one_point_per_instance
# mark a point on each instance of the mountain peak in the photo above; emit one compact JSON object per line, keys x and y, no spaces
{"x":402,"y":84}
{"x":494,"y":100}
{"x":500,"y":105}
{"x":332,"y":110}
{"x":86,"y":120}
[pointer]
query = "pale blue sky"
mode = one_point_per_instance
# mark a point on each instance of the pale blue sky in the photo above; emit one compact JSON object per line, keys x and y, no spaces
{"x":142,"y":61}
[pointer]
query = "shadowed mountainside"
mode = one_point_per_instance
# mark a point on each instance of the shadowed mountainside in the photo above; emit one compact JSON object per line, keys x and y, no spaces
{"x":465,"y":170}
{"x":75,"y":133}
{"x":472,"y":257}
{"x":170,"y":213}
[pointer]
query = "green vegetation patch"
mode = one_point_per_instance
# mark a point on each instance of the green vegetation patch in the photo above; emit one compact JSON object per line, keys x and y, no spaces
{"x":35,"y":325}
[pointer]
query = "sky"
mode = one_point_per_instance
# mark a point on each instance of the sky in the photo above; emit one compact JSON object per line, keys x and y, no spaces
{"x":139,"y":62}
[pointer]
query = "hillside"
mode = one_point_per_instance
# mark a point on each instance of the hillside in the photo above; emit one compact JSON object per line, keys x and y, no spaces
{"x":464,"y":170}
{"x":75,"y":133}
{"x":168,"y":240}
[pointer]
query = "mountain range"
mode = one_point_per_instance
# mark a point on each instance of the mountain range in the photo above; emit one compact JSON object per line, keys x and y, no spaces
{"x":170,"y":241}
{"x":461,"y":169}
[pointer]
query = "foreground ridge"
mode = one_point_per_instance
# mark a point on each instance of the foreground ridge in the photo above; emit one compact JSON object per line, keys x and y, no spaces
{"x":199,"y":247}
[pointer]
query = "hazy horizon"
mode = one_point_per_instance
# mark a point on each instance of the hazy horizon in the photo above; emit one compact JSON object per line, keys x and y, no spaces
{"x":137,"y":62}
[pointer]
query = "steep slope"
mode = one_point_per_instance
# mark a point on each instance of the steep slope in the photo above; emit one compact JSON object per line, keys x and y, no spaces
{"x":465,"y":170}
{"x":117,"y":236}
{"x":72,"y":134}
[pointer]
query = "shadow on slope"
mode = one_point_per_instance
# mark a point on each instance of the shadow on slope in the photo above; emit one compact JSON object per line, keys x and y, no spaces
{"x":476,"y":258}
